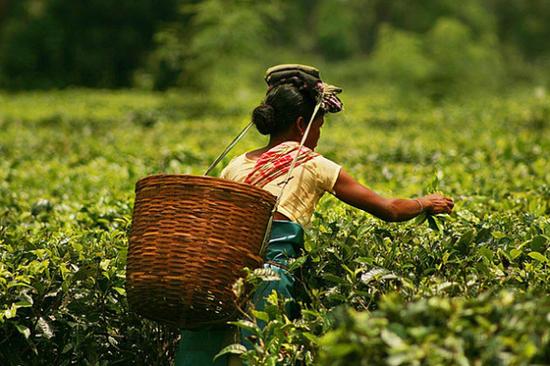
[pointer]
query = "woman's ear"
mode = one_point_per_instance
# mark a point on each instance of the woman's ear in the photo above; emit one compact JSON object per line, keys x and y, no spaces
{"x":301,"y":125}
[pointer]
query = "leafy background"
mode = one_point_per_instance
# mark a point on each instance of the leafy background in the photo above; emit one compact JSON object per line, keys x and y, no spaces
{"x":438,"y":96}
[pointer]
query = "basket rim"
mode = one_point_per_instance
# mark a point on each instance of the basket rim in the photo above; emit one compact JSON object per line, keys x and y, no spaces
{"x":154,"y":179}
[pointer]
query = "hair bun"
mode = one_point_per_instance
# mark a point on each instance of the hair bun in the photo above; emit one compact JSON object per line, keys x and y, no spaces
{"x":263,"y":117}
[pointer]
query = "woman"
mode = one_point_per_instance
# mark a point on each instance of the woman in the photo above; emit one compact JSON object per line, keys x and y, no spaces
{"x":289,"y":105}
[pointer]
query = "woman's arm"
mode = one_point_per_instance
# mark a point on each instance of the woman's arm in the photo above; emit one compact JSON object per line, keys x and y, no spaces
{"x":351,"y":192}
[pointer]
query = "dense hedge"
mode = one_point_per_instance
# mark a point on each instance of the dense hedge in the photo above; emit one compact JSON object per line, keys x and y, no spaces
{"x":470,"y":288}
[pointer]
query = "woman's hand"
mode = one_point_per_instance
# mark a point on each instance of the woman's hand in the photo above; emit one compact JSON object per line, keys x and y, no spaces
{"x":437,"y":204}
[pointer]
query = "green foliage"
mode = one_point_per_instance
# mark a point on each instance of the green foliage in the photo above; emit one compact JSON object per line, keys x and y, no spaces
{"x":278,"y":341}
{"x":463,"y":63}
{"x":443,"y":48}
{"x":337,"y":30}
{"x":218,"y":35}
{"x":465,"y":288}
{"x":399,"y":57}
{"x":55,"y":43}
{"x":446,"y":61}
{"x":528,"y":32}
{"x":500,"y":329}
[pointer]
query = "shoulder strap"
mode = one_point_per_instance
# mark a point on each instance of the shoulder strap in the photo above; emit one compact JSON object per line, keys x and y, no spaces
{"x":288,"y":174}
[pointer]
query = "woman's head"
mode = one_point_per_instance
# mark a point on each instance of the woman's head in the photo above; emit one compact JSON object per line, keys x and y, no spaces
{"x":282,"y":109}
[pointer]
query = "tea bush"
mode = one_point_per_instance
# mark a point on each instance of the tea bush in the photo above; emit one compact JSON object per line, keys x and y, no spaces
{"x":469,"y":288}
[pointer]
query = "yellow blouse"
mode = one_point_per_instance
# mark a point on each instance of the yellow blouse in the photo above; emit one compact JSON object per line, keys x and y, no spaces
{"x":307,"y":184}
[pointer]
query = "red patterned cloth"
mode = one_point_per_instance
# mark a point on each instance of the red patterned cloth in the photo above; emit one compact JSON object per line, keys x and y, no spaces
{"x":276,"y":162}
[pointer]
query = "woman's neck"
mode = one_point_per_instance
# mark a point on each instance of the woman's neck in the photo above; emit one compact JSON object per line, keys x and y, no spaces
{"x":277,"y":140}
{"x":273,"y":141}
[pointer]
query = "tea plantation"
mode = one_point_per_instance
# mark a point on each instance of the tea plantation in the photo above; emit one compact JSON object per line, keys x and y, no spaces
{"x":471,"y":288}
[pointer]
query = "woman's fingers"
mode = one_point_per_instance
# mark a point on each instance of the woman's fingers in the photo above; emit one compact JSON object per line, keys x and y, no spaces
{"x":442,"y":204}
{"x":449,"y":203}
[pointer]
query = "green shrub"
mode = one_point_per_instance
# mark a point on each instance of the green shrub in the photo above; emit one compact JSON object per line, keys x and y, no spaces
{"x":446,"y":61}
{"x":470,"y":286}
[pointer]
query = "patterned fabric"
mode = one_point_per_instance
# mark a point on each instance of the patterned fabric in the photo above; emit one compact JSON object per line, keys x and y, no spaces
{"x":310,"y":181}
{"x":306,"y":79}
{"x":276,"y":162}
{"x":329,"y":101}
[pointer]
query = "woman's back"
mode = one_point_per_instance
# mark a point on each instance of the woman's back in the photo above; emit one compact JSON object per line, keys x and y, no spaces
{"x":312,"y":176}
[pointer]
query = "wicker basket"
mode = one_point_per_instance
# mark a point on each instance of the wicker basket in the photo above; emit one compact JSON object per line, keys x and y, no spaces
{"x":190,"y":239}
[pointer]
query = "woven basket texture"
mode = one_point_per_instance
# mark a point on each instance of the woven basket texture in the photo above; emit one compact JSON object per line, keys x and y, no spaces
{"x":190,"y":239}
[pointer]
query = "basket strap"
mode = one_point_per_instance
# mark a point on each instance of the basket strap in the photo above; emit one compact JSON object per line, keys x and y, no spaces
{"x":293,"y":164}
{"x":287,"y":179}
{"x":288,"y":175}
{"x":228,"y":148}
